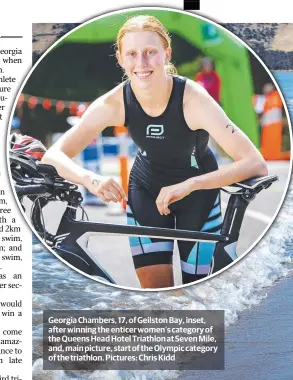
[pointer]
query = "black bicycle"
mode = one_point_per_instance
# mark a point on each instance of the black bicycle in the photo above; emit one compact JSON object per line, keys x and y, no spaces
{"x":42,"y":185}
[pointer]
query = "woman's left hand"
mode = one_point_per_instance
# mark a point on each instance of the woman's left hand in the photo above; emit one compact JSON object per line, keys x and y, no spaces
{"x":171,"y":194}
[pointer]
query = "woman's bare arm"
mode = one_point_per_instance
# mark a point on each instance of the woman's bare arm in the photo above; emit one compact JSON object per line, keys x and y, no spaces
{"x":202,"y":112}
{"x":105,"y":111}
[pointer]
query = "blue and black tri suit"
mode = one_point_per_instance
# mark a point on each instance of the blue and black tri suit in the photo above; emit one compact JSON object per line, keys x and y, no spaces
{"x":169,"y":153}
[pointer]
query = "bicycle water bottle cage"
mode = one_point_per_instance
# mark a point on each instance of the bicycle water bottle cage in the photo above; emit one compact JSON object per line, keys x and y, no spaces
{"x":248,"y":188}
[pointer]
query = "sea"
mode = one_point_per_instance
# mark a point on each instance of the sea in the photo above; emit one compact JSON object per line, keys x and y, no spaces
{"x":256,"y":295}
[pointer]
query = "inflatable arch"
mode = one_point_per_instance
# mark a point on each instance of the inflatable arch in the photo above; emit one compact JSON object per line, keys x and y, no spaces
{"x":231,"y":57}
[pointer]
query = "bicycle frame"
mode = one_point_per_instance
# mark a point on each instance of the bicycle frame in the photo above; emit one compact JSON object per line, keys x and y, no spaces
{"x":70,"y":241}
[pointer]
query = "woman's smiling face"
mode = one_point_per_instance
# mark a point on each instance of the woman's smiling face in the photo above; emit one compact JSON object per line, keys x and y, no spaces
{"x":143,"y":57}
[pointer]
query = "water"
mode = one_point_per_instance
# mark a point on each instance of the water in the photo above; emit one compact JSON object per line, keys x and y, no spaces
{"x":246,"y":284}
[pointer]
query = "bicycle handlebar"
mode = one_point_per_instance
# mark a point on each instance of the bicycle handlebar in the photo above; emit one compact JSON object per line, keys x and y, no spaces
{"x":31,"y":190}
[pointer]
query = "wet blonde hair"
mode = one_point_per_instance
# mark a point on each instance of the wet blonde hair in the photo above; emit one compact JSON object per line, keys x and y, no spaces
{"x":146,"y":23}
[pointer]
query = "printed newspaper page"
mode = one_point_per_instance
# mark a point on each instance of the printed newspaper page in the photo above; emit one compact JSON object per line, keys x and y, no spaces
{"x":145,"y":208}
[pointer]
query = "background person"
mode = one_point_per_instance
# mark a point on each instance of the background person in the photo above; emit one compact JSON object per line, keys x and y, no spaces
{"x":271,"y":121}
{"x":209,"y":78}
{"x":175,"y":176}
{"x":211,"y":81}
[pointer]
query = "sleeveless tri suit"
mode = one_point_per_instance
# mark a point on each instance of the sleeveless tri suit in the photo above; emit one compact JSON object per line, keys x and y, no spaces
{"x":169,"y":153}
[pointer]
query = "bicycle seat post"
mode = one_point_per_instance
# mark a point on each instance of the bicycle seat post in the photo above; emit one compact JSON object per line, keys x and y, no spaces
{"x":234,"y":216}
{"x":225,"y":252}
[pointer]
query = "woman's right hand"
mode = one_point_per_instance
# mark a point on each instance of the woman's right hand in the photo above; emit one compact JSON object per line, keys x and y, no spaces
{"x":105,"y":188}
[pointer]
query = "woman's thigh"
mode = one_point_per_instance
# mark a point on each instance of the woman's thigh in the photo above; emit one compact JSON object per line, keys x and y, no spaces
{"x":152,"y":257}
{"x":200,"y":211}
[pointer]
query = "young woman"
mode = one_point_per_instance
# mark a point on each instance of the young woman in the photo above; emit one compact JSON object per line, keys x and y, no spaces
{"x":175,"y":180}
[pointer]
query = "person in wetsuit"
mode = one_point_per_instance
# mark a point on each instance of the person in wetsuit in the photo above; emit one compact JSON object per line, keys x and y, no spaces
{"x":175,"y":180}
